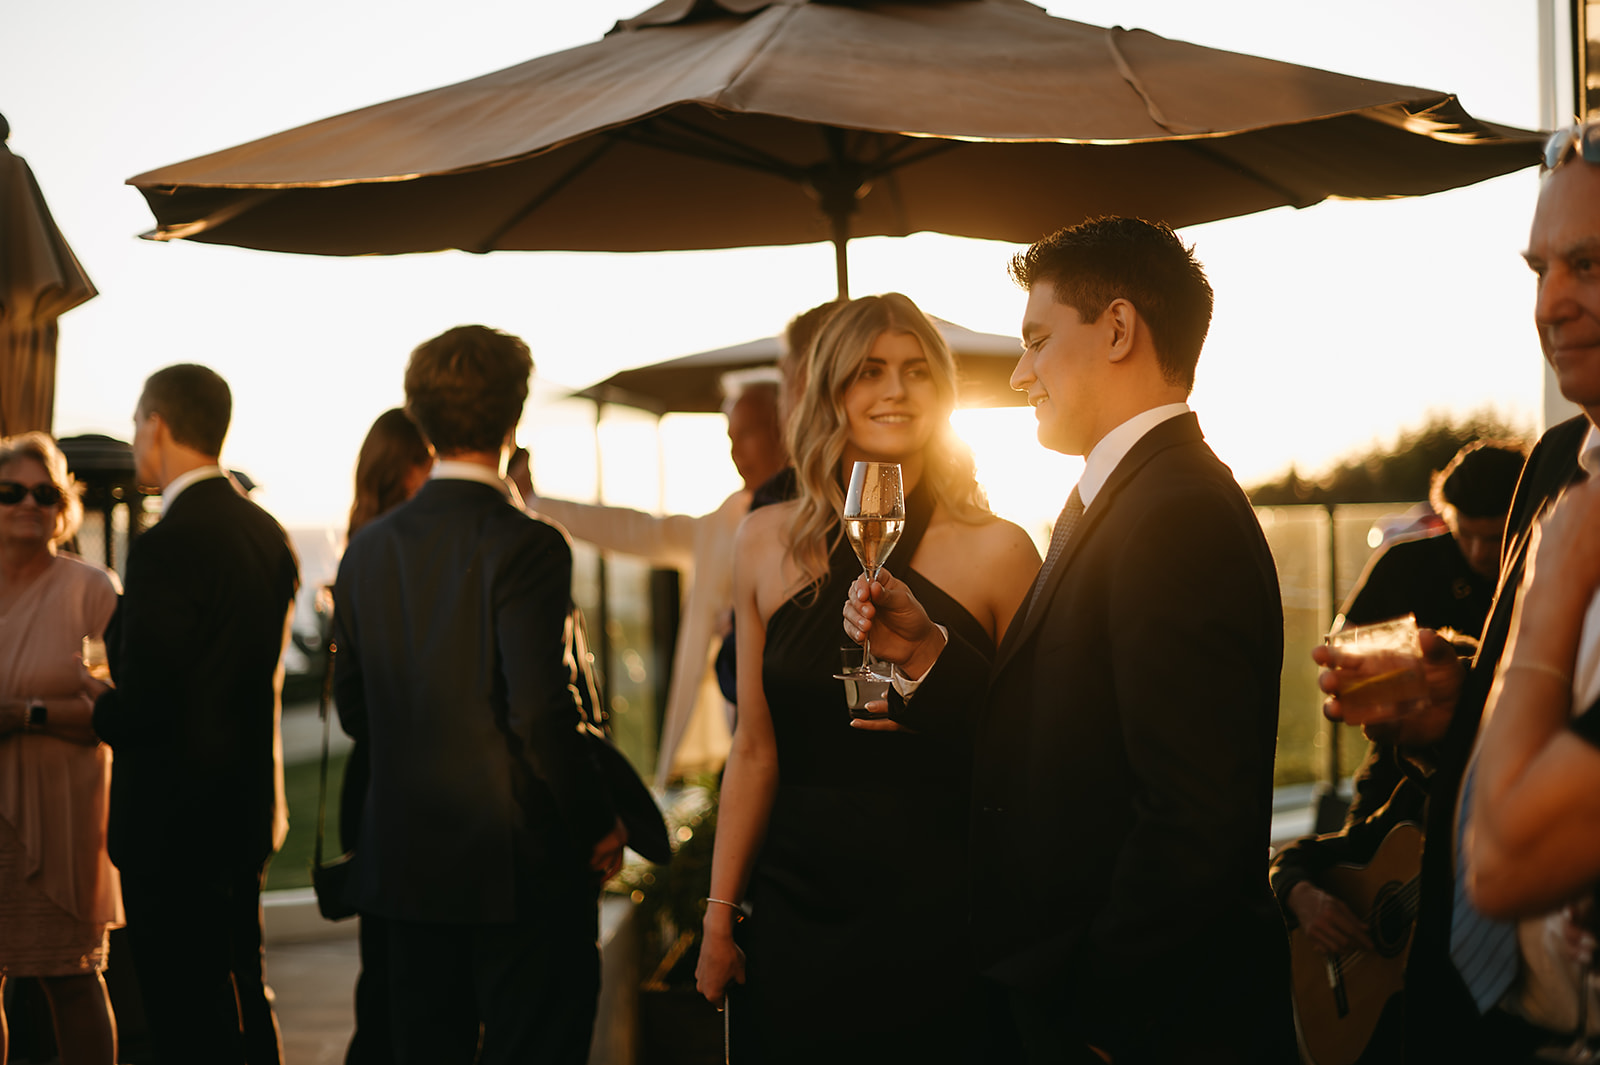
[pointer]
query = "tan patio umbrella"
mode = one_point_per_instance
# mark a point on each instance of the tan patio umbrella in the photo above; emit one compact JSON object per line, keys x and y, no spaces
{"x":693,"y":383}
{"x":40,"y":280}
{"x":726,"y":123}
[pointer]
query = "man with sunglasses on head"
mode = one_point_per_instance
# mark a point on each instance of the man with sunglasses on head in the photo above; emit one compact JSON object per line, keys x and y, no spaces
{"x":1466,"y":1000}
{"x":197,"y":788}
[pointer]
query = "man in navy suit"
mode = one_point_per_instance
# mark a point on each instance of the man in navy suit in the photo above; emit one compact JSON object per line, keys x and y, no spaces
{"x":197,"y":790}
{"x":1122,"y":790}
{"x":486,"y":830}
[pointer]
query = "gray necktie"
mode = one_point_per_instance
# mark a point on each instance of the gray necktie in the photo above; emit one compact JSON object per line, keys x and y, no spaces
{"x":1070,"y":513}
{"x":1484,"y":950}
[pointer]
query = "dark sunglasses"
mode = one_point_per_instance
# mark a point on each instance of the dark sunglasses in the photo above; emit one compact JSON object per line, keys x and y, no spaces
{"x":1585,"y":135}
{"x":46,"y":495}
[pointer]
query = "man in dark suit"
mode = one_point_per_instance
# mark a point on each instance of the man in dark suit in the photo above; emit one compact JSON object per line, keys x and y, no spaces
{"x":1442,"y":1021}
{"x":197,"y":792}
{"x":486,"y":829}
{"x":1124,"y":750}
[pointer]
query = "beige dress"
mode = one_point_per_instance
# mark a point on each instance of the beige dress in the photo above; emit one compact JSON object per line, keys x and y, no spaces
{"x":59,"y":892}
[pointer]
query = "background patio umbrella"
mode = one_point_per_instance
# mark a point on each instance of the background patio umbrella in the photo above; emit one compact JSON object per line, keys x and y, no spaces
{"x":693,"y":383}
{"x":40,"y":279}
{"x":724,"y":123}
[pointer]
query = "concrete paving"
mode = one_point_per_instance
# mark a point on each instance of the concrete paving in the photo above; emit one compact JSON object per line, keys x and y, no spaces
{"x":314,"y":984}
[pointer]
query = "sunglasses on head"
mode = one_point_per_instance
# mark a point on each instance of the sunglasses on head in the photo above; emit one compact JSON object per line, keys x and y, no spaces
{"x":46,"y":495}
{"x":1585,"y":136}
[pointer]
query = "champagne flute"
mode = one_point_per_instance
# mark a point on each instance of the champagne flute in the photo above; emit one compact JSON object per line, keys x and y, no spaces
{"x":874,"y":517}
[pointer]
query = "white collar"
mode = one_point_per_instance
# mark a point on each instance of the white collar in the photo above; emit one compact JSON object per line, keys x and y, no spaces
{"x":456,"y":470}
{"x":1589,"y":452}
{"x":176,"y":486}
{"x":1108,"y":454}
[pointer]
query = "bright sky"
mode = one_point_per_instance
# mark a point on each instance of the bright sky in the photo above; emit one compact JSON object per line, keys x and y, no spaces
{"x":1335,"y":326}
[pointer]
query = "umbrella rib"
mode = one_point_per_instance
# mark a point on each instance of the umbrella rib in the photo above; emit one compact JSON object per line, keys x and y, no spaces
{"x":735,"y":153}
{"x":896,"y":157}
{"x":1207,"y":149}
{"x":544,"y":197}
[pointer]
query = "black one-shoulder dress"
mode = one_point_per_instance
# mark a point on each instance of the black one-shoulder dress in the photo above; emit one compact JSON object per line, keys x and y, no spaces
{"x":857,"y":949}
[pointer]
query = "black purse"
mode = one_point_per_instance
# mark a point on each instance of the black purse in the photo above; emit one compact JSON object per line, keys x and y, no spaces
{"x":329,"y":881}
{"x":630,"y":797}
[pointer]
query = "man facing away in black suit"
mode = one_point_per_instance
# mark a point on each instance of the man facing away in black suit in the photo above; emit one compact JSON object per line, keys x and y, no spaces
{"x":1124,"y":748}
{"x":486,"y":830}
{"x":197,"y":789}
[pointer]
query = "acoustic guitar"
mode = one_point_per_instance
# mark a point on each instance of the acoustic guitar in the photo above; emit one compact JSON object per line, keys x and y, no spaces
{"x":1339,"y":997}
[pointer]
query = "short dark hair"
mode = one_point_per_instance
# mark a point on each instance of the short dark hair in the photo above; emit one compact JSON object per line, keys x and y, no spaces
{"x":1480,"y":481}
{"x":465,"y":388}
{"x":1145,"y":263}
{"x":194,"y":401}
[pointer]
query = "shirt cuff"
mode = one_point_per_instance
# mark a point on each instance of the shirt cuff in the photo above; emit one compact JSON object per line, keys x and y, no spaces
{"x":906,"y":686}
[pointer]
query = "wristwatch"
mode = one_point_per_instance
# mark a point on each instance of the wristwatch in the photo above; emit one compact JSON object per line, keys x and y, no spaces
{"x":38,"y":716}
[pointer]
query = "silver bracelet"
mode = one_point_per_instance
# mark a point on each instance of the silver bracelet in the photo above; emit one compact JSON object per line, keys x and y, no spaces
{"x":725,"y":902}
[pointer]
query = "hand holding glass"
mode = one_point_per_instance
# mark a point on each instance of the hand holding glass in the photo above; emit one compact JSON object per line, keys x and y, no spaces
{"x":1380,"y":666}
{"x":874,"y":516}
{"x":94,"y":659}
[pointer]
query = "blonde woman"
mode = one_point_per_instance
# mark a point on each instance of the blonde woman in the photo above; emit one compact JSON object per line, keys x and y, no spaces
{"x":850,"y":843}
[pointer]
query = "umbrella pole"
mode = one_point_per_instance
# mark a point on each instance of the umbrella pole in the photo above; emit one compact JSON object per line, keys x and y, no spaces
{"x":841,"y":262}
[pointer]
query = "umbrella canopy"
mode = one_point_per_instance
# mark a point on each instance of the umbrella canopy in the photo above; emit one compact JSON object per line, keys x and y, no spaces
{"x":40,"y":280}
{"x":726,"y":123}
{"x":693,"y":383}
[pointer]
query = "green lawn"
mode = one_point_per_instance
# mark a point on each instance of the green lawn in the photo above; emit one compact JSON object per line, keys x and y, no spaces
{"x":291,"y":866}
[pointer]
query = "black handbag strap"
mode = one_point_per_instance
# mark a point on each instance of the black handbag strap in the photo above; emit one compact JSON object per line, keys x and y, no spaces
{"x":322,"y":783}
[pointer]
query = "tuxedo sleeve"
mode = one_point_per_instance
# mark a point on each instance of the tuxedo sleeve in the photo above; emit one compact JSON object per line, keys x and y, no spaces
{"x":543,"y":711}
{"x":946,"y":704}
{"x":160,"y":607}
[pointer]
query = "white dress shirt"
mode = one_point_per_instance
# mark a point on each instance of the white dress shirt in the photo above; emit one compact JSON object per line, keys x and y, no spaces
{"x":175,"y":488}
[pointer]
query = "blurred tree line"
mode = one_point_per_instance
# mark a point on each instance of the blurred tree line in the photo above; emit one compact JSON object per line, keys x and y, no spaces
{"x":1388,"y":474}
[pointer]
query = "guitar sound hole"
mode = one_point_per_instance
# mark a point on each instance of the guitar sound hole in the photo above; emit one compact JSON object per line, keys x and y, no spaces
{"x":1390,"y":923}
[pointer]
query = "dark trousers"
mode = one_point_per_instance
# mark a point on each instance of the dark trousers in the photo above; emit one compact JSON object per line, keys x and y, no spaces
{"x":196,"y":946}
{"x":1035,"y":1026}
{"x":532,"y":985}
{"x":371,"y":1042}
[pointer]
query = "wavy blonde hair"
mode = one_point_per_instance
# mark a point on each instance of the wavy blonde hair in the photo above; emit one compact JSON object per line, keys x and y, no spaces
{"x":819,"y":429}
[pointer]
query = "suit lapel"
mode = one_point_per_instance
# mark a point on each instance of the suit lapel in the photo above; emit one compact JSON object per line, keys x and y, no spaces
{"x":1183,"y":429}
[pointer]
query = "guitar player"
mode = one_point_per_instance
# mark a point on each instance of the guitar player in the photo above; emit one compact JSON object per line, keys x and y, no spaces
{"x":1326,"y":922}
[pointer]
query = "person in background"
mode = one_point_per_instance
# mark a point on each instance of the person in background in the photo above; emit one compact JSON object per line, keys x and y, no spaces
{"x":1462,"y":1003}
{"x":827,"y":829}
{"x":1529,"y":841}
{"x":1447,"y":578}
{"x":392,"y":464}
{"x":487,"y":828}
{"x":701,"y":547}
{"x":197,"y":801}
{"x":58,"y":890}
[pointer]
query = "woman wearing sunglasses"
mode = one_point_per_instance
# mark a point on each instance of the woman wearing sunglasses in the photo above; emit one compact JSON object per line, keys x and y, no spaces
{"x":58,"y":890}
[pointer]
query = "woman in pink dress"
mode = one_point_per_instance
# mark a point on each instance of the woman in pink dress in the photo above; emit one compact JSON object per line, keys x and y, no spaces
{"x":59,"y":892}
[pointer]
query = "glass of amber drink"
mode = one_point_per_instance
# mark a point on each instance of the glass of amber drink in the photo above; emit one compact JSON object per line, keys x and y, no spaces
{"x":1380,"y":668}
